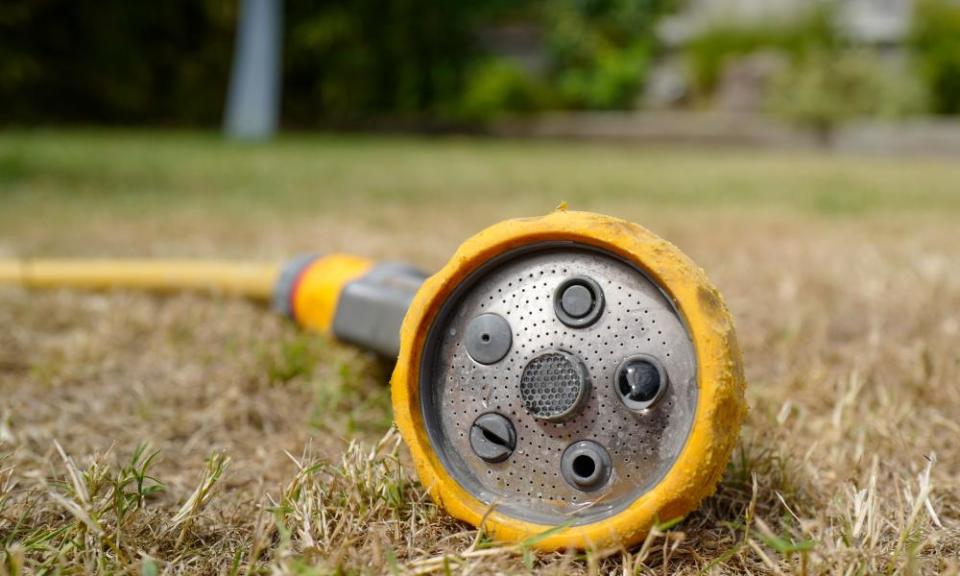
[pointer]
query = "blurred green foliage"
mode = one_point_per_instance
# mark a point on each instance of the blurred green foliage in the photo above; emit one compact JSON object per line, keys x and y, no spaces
{"x":708,"y":54}
{"x":348,"y":60}
{"x":599,"y":50}
{"x":355,"y":61}
{"x":344,"y":61}
{"x":935,"y":42}
{"x":611,"y":80}
{"x":496,"y":85}
{"x":824,"y":88}
{"x":828,"y":79}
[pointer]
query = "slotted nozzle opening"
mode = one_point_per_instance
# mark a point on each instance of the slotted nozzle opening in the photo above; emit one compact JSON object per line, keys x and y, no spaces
{"x":492,"y":437}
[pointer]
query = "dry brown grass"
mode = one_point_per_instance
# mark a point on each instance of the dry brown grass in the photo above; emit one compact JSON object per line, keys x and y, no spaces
{"x":274,"y":452}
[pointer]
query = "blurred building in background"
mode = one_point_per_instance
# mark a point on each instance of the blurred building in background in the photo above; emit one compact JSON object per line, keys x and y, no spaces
{"x":873,"y":22}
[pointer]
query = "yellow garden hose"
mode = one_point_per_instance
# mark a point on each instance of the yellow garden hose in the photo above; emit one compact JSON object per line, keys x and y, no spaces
{"x":251,"y":279}
{"x":306,"y":288}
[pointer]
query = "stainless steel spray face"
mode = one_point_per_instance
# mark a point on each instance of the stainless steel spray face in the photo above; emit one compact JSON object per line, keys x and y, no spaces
{"x":584,"y":450}
{"x":571,"y":377}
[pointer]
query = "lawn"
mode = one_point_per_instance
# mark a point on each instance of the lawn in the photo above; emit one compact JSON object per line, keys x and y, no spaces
{"x":185,"y":434}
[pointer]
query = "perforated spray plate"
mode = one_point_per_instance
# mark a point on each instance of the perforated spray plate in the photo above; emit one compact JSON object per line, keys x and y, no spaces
{"x":637,"y":319}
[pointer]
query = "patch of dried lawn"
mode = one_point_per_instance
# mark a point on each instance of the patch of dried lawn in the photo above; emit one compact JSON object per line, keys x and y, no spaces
{"x":274,"y":453}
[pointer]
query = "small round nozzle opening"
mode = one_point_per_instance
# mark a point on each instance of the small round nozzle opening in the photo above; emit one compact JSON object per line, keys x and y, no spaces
{"x":584,"y":466}
{"x":640,"y":381}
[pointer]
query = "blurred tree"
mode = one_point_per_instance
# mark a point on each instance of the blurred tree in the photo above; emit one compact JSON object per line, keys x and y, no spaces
{"x":116,"y":61}
{"x":597,"y":54}
{"x":345,"y":61}
{"x":935,"y":41}
{"x":708,"y":54}
{"x":496,"y":86}
{"x":349,"y":60}
{"x":600,"y":49}
{"x":825,"y":88}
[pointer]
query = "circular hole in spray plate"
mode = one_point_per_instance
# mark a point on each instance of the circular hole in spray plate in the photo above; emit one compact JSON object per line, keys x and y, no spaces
{"x":586,"y":465}
{"x":640,"y":381}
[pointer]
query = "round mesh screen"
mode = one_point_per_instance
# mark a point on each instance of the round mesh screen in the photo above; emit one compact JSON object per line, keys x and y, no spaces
{"x":552,"y":386}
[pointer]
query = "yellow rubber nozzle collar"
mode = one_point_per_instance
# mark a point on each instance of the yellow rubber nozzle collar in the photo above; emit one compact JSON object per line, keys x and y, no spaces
{"x":720,"y":380}
{"x":316,"y":291}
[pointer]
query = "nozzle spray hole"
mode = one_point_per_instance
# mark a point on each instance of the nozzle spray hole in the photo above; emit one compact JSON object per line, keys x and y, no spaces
{"x":488,"y":338}
{"x":584,"y":466}
{"x":640,"y":381}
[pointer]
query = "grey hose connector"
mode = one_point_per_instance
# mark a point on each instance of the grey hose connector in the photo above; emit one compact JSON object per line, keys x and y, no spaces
{"x":371,"y":309}
{"x":287,"y":281}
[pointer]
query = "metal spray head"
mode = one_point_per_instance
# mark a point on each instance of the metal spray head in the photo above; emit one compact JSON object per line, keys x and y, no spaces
{"x":572,"y":374}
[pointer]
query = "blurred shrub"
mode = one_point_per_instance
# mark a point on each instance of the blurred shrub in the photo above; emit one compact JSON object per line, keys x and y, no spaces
{"x":417,"y":57}
{"x":611,"y":81}
{"x":826,"y":82}
{"x":825,"y":88}
{"x":496,"y":86}
{"x":935,"y":42}
{"x":373,"y":58}
{"x":599,"y":50}
{"x":708,"y":54}
{"x":597,"y":53}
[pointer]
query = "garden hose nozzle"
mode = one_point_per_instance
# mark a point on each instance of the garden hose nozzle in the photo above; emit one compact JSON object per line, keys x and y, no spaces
{"x":567,"y":381}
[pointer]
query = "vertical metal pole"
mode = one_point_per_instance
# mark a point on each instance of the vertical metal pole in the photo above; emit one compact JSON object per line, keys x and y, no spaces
{"x":253,"y":101}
